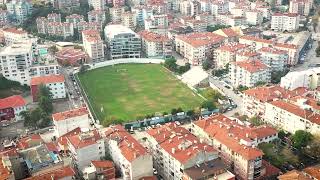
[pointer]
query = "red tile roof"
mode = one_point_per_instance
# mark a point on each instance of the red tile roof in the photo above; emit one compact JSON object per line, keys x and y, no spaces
{"x":201,"y":39}
{"x":91,"y":35}
{"x":179,"y":142}
{"x":294,"y":109}
{"x":47,"y":79}
{"x":70,"y":114}
{"x":51,"y":146}
{"x":293,"y":175}
{"x":27,"y":142}
{"x":229,"y":133}
{"x":15,"y":31}
{"x":286,"y":14}
{"x":130,"y":147}
{"x":248,"y":53}
{"x":56,"y":174}
{"x":102,"y":164}
{"x":230,"y":32}
{"x":12,"y":102}
{"x":271,"y":42}
{"x":153,"y":37}
{"x":84,"y":139}
{"x":313,"y":171}
{"x":266,"y":94}
{"x":252,"y":65}
{"x":5,"y":173}
{"x":232,"y":47}
{"x":63,"y":141}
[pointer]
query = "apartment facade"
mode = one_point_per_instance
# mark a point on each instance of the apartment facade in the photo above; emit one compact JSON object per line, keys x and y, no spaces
{"x":97,"y":16}
{"x":276,"y":59}
{"x":19,"y":10}
{"x":93,"y":45}
{"x":236,"y":143}
{"x":97,"y":4}
{"x":308,"y":78}
{"x":56,"y":84}
{"x":254,"y":17}
{"x":227,"y":53}
{"x":67,"y":121}
{"x":13,"y":35}
{"x":122,"y":42}
{"x":248,"y":73}
{"x":302,"y":7}
{"x":11,"y":107}
{"x":285,"y":22}
{"x":129,"y":156}
{"x":155,"y":45}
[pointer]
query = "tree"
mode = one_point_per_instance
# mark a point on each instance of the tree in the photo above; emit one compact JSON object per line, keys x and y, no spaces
{"x":208,"y":105}
{"x":53,"y":49}
{"x":242,"y":88}
{"x":216,"y":27}
{"x":171,"y":64}
{"x":301,"y":138}
{"x":255,"y":121}
{"x":174,"y":111}
{"x":45,"y":99}
{"x":260,"y":83}
{"x":276,"y":75}
{"x":313,"y":148}
{"x":206,"y":65}
{"x":27,"y":118}
{"x":212,"y":94}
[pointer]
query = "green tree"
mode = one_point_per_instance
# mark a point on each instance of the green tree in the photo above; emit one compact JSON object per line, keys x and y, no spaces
{"x":301,"y":138}
{"x":260,"y":83}
{"x":216,"y":27}
{"x":206,"y":65}
{"x":53,"y":49}
{"x":255,"y":121}
{"x":276,"y":75}
{"x":313,"y":148}
{"x":171,"y":64}
{"x":45,"y":99}
{"x":174,"y":111}
{"x":212,"y":94}
{"x":208,"y":105}
{"x":242,"y":88}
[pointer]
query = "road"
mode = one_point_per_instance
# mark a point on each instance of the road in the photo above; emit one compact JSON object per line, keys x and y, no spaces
{"x":309,"y":59}
{"x":228,"y":92}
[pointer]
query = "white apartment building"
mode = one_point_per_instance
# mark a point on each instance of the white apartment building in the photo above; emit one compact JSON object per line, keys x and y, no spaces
{"x":86,"y":147}
{"x":56,"y":84}
{"x":122,"y":42}
{"x":116,"y":13}
{"x":248,"y":73}
{"x":258,"y":43}
{"x":175,"y":150}
{"x":66,"y":4}
{"x":93,"y":45}
{"x":292,"y":117}
{"x":15,"y":61}
{"x":67,"y":121}
{"x":155,"y":45}
{"x":308,"y":78}
{"x":82,"y":26}
{"x":254,"y":17}
{"x":156,"y":21}
{"x":128,"y":19}
{"x":54,"y":17}
{"x":64,"y":29}
{"x":197,"y":47}
{"x":97,"y":16}
{"x":189,"y":7}
{"x":97,"y":4}
{"x":218,"y":7}
{"x":302,"y":7}
{"x":236,"y":143}
{"x":19,"y":10}
{"x":255,"y":99}
{"x":227,"y":53}
{"x":276,"y":59}
{"x":247,"y":54}
{"x":74,"y":19}
{"x":13,"y":35}
{"x":129,"y":156}
{"x":285,"y":22}
{"x":142,"y":13}
{"x":4,"y":17}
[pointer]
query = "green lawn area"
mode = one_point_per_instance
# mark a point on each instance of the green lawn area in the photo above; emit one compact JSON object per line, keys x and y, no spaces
{"x":128,"y":91}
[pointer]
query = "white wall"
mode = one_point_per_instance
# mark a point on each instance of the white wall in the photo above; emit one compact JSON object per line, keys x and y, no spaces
{"x":64,"y":126}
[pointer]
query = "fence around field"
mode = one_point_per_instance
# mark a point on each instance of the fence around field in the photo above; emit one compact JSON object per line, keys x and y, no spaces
{"x":125,"y":61}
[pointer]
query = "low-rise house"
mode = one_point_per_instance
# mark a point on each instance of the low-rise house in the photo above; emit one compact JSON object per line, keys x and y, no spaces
{"x":67,"y":121}
{"x":100,"y":170}
{"x":70,"y":56}
{"x":248,"y":73}
{"x":176,"y":153}
{"x":130,"y":157}
{"x":29,"y":141}
{"x":65,"y":173}
{"x":236,"y":143}
{"x":11,"y":107}
{"x":56,"y":84}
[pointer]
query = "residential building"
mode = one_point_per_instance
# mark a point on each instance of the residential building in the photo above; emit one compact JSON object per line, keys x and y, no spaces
{"x":86,"y":147}
{"x":155,"y":45}
{"x":258,"y":43}
{"x":42,"y":25}
{"x":118,"y":3}
{"x":227,"y":53}
{"x":74,"y":19}
{"x":4,"y":17}
{"x":309,"y":173}
{"x":231,"y":34}
{"x":11,"y":107}
{"x":54,"y":17}
{"x":254,"y":17}
{"x":128,"y":19}
{"x":67,"y":121}
{"x":56,"y":84}
{"x":116,"y":13}
{"x":65,"y":173}
{"x":64,"y":29}
{"x":19,"y":10}
{"x":130,"y":157}
{"x":65,"y":4}
{"x":29,"y":141}
{"x":97,"y":16}
{"x":248,"y":73}
{"x":176,"y":152}
{"x":156,"y":22}
{"x":100,"y":170}
{"x":291,"y":116}
{"x":218,"y":7}
{"x":15,"y":61}
{"x":196,"y":25}
{"x":97,"y":4}
{"x":255,"y":99}
{"x":236,"y":143}
{"x":189,"y":7}
{"x":247,"y":54}
{"x":207,"y":18}
{"x":13,"y":35}
{"x":198,"y":47}
{"x":276,"y":59}
{"x":302,"y":7}
{"x":82,"y":26}
{"x":142,"y":13}
{"x":285,"y":22}
{"x":308,"y":78}
{"x":122,"y":42}
{"x":93,"y":45}
{"x":70,"y":56}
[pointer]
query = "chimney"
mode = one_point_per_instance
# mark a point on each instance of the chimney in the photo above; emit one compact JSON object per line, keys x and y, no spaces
{"x":164,"y":136}
{"x":134,"y":155}
{"x":132,"y":145}
{"x":247,"y":135}
{"x":173,"y":150}
{"x":205,"y":147}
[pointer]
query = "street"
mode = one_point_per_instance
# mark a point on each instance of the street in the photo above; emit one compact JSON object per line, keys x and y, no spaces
{"x":310,"y":59}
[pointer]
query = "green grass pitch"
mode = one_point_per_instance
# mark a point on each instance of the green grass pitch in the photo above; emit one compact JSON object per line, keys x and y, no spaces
{"x":128,"y":91}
